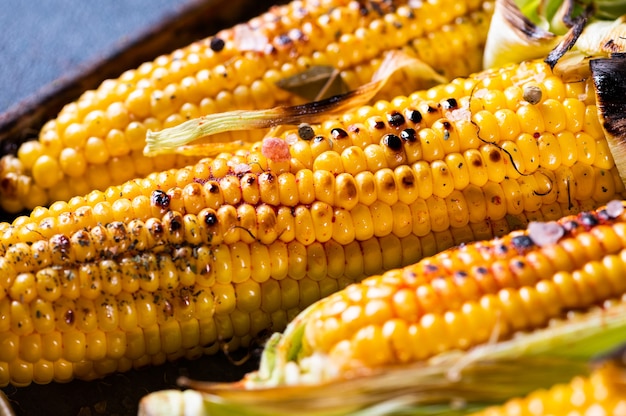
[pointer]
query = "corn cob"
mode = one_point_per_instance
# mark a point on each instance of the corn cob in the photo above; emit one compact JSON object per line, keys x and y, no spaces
{"x":185,"y":261}
{"x":458,"y":299}
{"x":97,"y":140}
{"x":601,"y":393}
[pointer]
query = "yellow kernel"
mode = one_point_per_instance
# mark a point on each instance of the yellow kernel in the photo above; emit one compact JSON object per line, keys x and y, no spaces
{"x":46,"y":171}
{"x":72,"y":162}
{"x":96,"y":150}
{"x":116,"y":143}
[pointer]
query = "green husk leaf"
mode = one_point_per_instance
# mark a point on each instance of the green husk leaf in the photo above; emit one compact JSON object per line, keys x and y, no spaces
{"x":175,"y":139}
{"x":514,"y":37}
{"x":530,"y":29}
{"x":450,"y":383}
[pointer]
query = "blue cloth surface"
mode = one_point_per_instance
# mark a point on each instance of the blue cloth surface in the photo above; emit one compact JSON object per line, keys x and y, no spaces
{"x":41,"y":41}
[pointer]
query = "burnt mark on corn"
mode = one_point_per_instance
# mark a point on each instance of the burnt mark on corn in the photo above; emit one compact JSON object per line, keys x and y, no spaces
{"x":338,"y":133}
{"x":117,"y":230}
{"x":210,"y":218}
{"x":588,"y":219}
{"x":168,"y":308}
{"x":212,"y":187}
{"x":408,"y":135}
{"x":393,"y":142}
{"x":388,"y":183}
{"x":570,"y":226}
{"x":609,"y":78}
{"x":156,"y":229}
{"x":250,"y":179}
{"x":348,"y":191}
{"x":495,"y":156}
{"x":283,"y":40}
{"x":160,"y":199}
{"x":395,"y":119}
{"x":569,"y":39}
{"x":460,"y":274}
{"x":476,"y":161}
{"x":305,"y":131}
{"x":217,"y":44}
{"x":269,"y":177}
{"x":69,"y":317}
{"x":414,"y":115}
{"x":376,"y":124}
{"x":522,"y":242}
{"x":450,"y":104}
{"x":61,"y":244}
{"x":81,"y":237}
{"x":408,"y":180}
{"x":174,"y":221}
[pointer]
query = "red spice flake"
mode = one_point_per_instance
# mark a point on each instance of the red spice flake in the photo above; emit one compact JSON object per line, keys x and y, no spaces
{"x":275,"y":149}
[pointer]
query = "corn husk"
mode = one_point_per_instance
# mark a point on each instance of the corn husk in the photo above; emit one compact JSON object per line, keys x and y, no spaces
{"x":530,"y":29}
{"x":455,"y":382}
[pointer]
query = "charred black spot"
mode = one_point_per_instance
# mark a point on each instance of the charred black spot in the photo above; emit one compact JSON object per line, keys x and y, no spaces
{"x":460,"y":274}
{"x":450,"y":104}
{"x":431,"y":109}
{"x":522,"y":242}
{"x":160,"y":199}
{"x":168,"y":308}
{"x":395,"y":119}
{"x":213,"y":188}
{"x":61,"y":243}
{"x":319,"y":139}
{"x":338,"y":133}
{"x":217,"y":44}
{"x":69,"y":317}
{"x":570,"y":226}
{"x":297,"y":34}
{"x":210,"y":218}
{"x":175,"y":222}
{"x":408,"y":135}
{"x":477,"y":162}
{"x":587,"y":219}
{"x":82,"y":238}
{"x":495,"y":155}
{"x":603,"y":215}
{"x":305,"y":131}
{"x":501,"y":249}
{"x":349,"y":190}
{"x":447,"y":125}
{"x":609,"y":77}
{"x":481,"y":270}
{"x":393,"y":142}
{"x":378,"y":124}
{"x":156,"y":229}
{"x":283,"y":40}
{"x":250,"y":179}
{"x":269,"y":177}
{"x":407,"y":181}
{"x":414,"y":116}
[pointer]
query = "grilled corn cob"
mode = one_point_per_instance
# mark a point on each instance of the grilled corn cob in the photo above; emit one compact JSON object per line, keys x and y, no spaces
{"x":457,"y":299}
{"x":185,"y":261}
{"x":97,"y":140}
{"x":601,"y":393}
